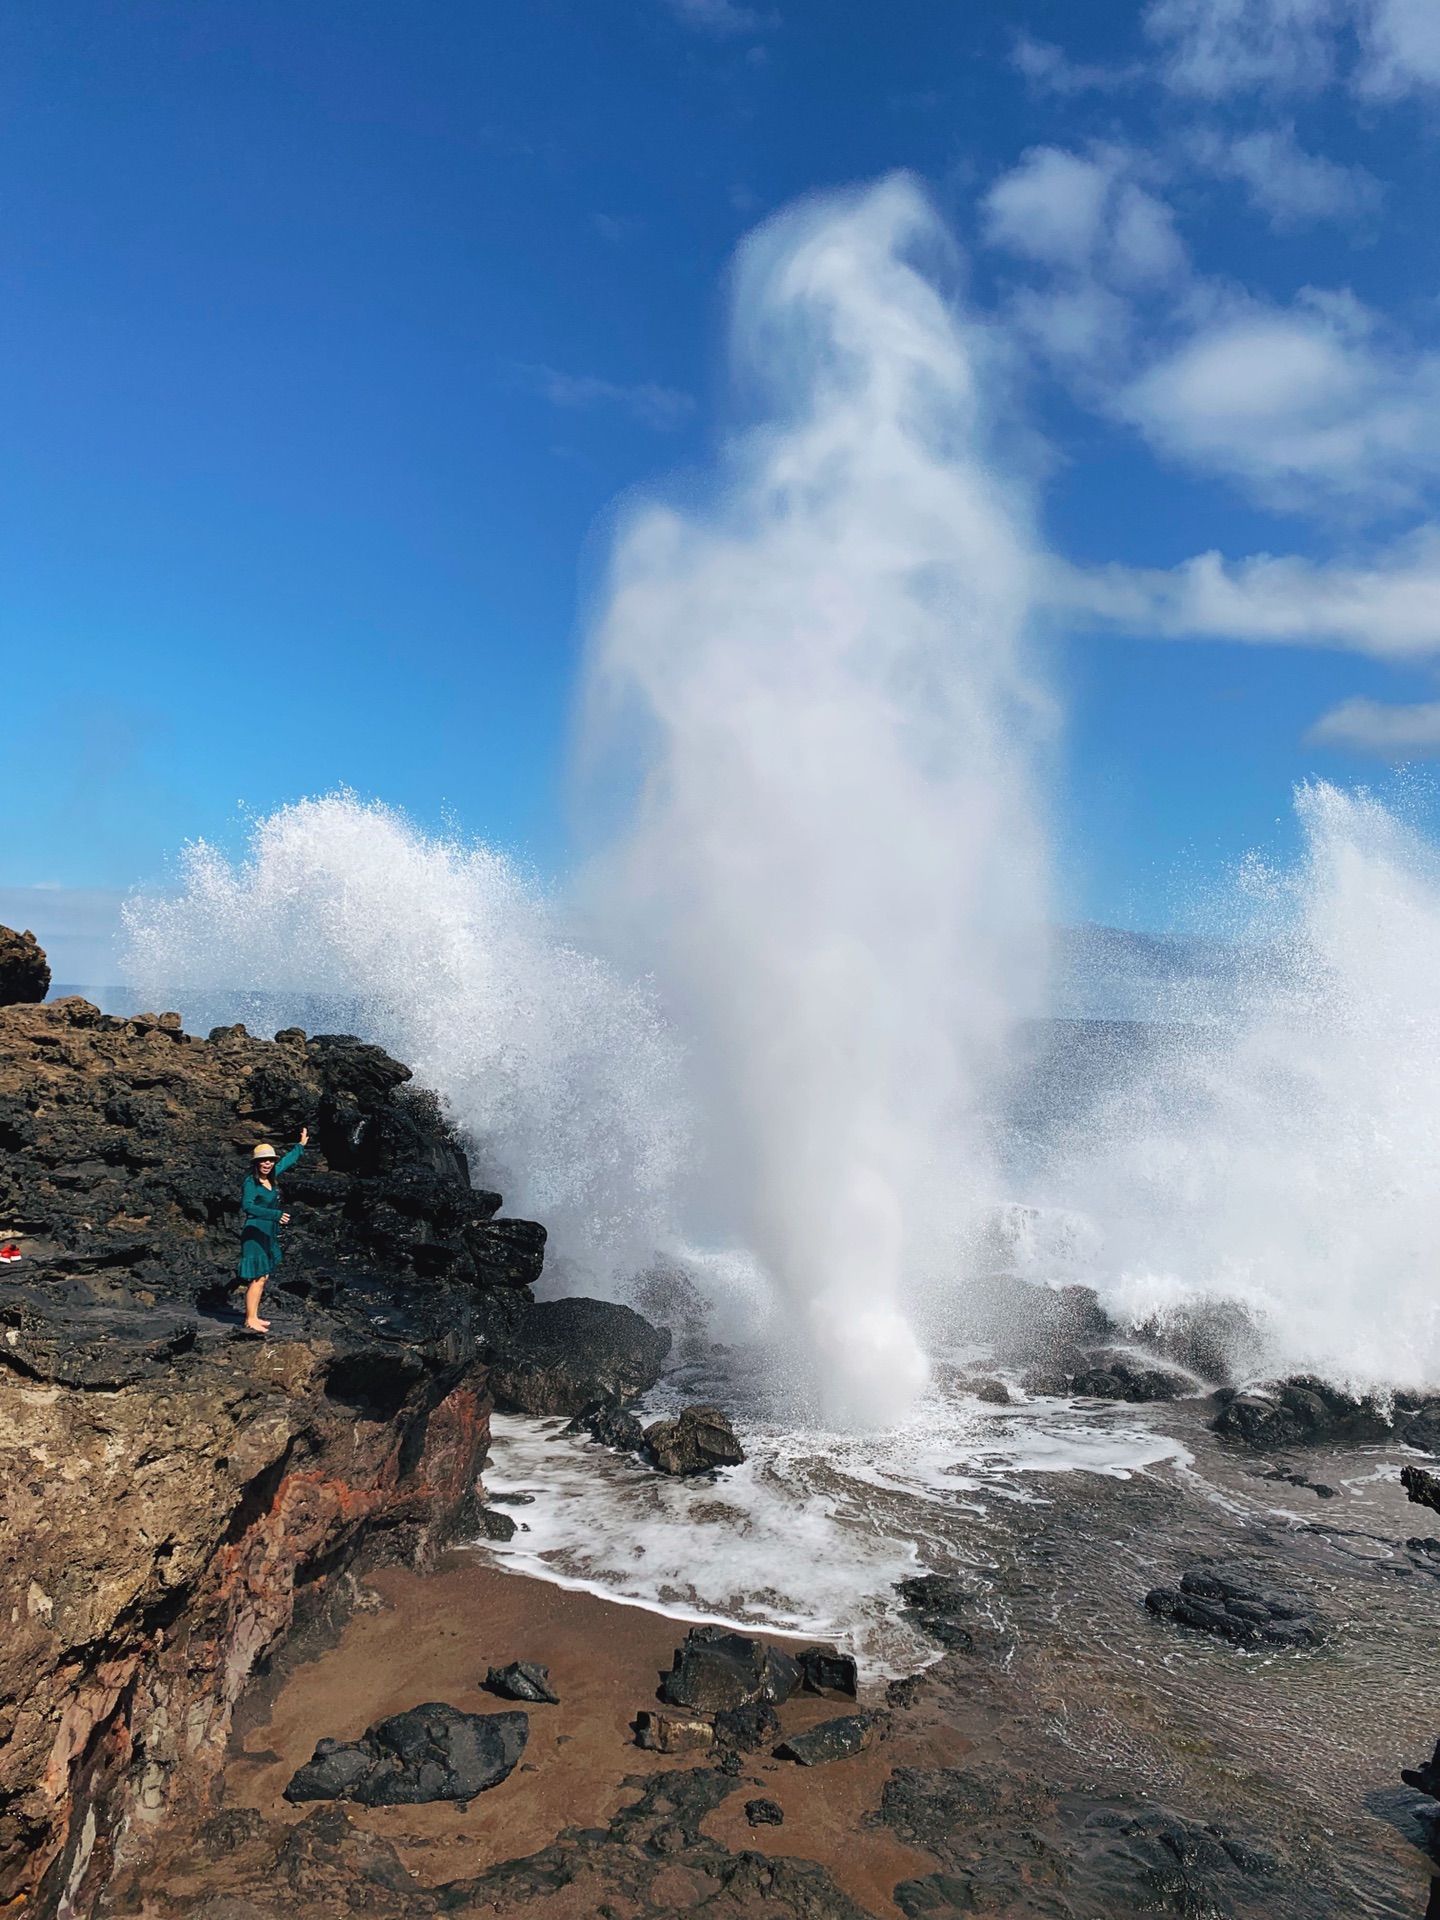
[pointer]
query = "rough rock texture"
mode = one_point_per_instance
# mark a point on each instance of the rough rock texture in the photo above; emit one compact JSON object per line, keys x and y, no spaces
{"x":1426,"y":1777}
{"x":746,"y":1729}
{"x":831,"y":1740}
{"x":651,"y":1862}
{"x":613,"y":1427}
{"x":522,"y":1680}
{"x":673,"y":1732}
{"x":573,"y":1356}
{"x":1120,"y":1376}
{"x":434,"y":1752}
{"x":823,"y":1670}
{"x":1011,"y":1845}
{"x":697,"y":1441}
{"x":1238,"y":1603}
{"x":177,"y":1494}
{"x":1304,"y":1411}
{"x":764,"y":1813}
{"x":1421,"y":1487}
{"x":24,"y":970}
{"x":716,"y":1670}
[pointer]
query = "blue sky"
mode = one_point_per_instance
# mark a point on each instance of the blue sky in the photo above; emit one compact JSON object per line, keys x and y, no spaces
{"x":333,"y":335}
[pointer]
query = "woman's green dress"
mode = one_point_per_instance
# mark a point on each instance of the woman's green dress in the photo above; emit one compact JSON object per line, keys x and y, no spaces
{"x":260,"y":1231}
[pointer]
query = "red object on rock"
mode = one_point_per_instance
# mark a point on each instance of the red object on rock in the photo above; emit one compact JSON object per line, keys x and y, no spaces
{"x":10,"y":1253}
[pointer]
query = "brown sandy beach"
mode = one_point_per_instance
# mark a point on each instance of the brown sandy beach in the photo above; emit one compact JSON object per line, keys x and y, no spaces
{"x":432,"y":1638}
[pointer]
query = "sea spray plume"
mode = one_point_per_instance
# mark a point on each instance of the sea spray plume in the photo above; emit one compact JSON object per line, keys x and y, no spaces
{"x":565,"y":1078}
{"x":834,"y":861}
{"x":1290,"y":1165}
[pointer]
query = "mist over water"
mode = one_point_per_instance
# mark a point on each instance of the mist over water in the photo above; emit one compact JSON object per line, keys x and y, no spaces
{"x":817,"y":924}
{"x":1288,"y":1159}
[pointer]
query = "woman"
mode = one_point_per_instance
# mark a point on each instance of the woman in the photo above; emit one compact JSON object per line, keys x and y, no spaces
{"x":259,"y":1234}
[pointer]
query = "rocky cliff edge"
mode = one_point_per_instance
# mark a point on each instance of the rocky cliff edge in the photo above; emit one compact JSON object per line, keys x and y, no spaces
{"x":176,"y":1495}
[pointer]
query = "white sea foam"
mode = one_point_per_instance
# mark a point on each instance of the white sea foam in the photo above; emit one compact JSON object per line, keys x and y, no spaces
{"x":565,"y":1078}
{"x":1288,"y":1162}
{"x":812,"y":1533}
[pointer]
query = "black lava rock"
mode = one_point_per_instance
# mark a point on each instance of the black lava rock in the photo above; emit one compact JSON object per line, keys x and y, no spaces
{"x":831,"y":1740}
{"x":1118,"y":1376}
{"x":1305,"y":1411}
{"x":1426,"y":1777}
{"x":522,"y":1680}
{"x":612,"y":1426}
{"x":698,"y":1441}
{"x":24,"y":970}
{"x":434,"y":1752}
{"x":1236,"y":1603}
{"x":938,"y":1602}
{"x":716,"y":1670}
{"x":823,"y":1670}
{"x":747,"y":1729}
{"x":764,"y":1813}
{"x":570,"y":1356}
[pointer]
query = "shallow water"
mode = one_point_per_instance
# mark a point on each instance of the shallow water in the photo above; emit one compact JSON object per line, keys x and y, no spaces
{"x":1062,"y":1514}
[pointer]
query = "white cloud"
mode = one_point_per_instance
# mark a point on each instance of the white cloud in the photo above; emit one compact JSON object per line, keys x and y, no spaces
{"x":1099,"y":235}
{"x":1390,"y":733}
{"x":1402,"y":48}
{"x":654,"y":406}
{"x":1304,"y":404}
{"x":1050,"y":70}
{"x":1214,"y":48}
{"x":1289,"y":186}
{"x":1388,"y":607}
{"x":724,"y":18}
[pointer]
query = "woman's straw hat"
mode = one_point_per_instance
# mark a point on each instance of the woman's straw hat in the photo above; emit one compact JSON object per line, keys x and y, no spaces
{"x":264,"y":1152}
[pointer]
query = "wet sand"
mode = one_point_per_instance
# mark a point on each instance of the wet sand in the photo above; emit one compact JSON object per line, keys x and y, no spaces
{"x":433,"y":1637}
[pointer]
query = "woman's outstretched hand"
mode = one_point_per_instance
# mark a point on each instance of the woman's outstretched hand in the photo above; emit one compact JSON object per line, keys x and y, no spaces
{"x":304,"y":1136}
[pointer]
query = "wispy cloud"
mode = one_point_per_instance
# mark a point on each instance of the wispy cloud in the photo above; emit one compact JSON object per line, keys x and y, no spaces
{"x":726,"y":19}
{"x":1390,"y":733}
{"x":663,"y":408}
{"x":1388,"y":607}
{"x":1049,"y":69}
{"x":1290,"y":187}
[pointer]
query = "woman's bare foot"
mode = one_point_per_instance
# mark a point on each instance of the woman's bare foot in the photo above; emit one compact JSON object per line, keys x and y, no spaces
{"x":258,"y":1326}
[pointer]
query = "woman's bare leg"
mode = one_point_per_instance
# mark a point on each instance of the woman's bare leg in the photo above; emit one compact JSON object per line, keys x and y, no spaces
{"x":252,"y":1305}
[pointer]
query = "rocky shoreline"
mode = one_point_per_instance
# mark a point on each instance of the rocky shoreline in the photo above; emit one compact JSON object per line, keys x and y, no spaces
{"x":211,"y":1550}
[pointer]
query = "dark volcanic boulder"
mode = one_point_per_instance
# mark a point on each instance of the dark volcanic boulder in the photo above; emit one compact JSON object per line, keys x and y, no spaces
{"x":568,"y":1356}
{"x":1421,"y":1487}
{"x":746,"y":1729}
{"x":942,"y":1604}
{"x":1237,"y":1603}
{"x":613,"y":1427}
{"x":764,"y":1813}
{"x":1119,"y":1376}
{"x":24,"y":970}
{"x":434,"y":1752}
{"x":1426,"y":1777}
{"x":831,"y":1740}
{"x":826,"y":1671}
{"x":717,"y":1670}
{"x":522,"y":1680}
{"x":1305,"y":1411}
{"x":699,"y":1440}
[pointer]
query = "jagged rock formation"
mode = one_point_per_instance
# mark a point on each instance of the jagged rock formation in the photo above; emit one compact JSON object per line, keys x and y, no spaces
{"x":1238,"y":1603}
{"x":24,"y":970}
{"x":698,"y":1440}
{"x":431,"y":1752}
{"x":577,"y":1356}
{"x":1304,"y":1411}
{"x":177,"y":1494}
